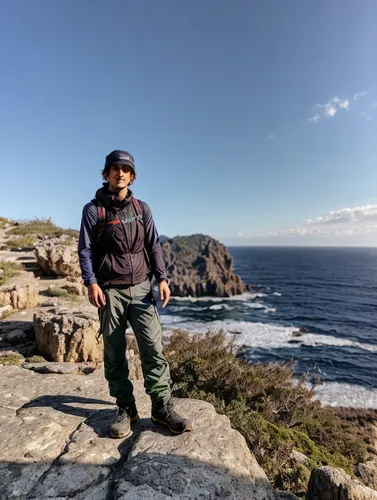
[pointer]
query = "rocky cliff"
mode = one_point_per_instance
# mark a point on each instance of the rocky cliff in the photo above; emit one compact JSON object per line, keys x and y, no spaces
{"x":199,"y":265}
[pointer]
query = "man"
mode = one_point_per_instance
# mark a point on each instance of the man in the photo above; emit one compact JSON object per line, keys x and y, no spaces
{"x":119,"y":251}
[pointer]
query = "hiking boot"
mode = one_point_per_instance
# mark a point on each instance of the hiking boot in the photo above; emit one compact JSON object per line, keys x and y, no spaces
{"x":121,"y":427}
{"x":165,"y":415}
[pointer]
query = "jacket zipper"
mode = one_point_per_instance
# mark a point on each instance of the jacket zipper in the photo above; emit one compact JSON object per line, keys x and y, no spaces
{"x":129,"y":247}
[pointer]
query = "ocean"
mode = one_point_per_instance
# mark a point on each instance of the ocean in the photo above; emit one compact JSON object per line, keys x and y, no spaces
{"x":331,"y":292}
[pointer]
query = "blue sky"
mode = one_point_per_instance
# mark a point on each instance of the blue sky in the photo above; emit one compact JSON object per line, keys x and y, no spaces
{"x":254,"y":122}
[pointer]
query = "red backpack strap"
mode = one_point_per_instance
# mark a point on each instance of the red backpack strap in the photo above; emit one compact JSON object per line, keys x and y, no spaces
{"x":137,"y":206}
{"x":101,"y":215}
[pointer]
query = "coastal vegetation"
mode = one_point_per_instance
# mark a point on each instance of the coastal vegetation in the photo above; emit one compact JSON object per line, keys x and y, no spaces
{"x":277,"y":416}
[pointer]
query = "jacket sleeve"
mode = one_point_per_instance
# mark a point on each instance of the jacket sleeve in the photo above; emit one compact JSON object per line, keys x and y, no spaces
{"x":87,"y":239}
{"x":153,"y":246}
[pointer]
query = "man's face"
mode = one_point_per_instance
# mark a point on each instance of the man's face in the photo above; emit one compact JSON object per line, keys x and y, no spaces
{"x":119,"y":177}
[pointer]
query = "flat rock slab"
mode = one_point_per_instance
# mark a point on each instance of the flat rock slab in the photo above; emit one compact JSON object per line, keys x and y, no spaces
{"x":55,"y":444}
{"x":62,"y":368}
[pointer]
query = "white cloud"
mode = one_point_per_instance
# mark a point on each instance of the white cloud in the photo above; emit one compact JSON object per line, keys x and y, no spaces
{"x":336,"y":224}
{"x":315,"y":118}
{"x":239,"y":235}
{"x":346,"y":215}
{"x":345,"y":104}
{"x":272,"y":136}
{"x":357,"y":96}
{"x":331,"y":108}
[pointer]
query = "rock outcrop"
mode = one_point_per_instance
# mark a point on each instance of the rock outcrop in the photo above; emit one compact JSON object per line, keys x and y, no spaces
{"x":329,"y":483}
{"x":69,"y":335}
{"x":20,"y":292}
{"x":65,"y":336}
{"x":55,"y":444}
{"x":58,"y":256}
{"x":199,"y":265}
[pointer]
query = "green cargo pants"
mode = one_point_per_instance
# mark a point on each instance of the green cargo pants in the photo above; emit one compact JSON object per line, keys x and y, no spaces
{"x":135,"y":304}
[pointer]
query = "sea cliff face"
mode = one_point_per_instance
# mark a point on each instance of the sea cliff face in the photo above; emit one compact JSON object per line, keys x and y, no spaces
{"x":199,"y":265}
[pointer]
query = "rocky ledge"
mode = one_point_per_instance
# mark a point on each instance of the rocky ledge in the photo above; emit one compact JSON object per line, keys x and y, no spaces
{"x":199,"y":265}
{"x":55,"y":444}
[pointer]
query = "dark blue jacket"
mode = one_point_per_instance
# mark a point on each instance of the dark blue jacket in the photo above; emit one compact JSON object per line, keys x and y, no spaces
{"x":110,"y":260}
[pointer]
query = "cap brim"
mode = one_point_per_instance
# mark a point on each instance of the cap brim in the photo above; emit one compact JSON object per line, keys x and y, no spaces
{"x":124,"y":162}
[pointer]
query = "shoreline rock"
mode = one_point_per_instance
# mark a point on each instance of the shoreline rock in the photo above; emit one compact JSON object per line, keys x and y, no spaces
{"x":199,"y":265}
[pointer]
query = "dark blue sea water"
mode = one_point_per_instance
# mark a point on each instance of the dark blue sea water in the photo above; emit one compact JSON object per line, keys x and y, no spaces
{"x":332,"y":292}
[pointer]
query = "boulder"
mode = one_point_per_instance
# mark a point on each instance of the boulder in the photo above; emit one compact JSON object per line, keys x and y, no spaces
{"x":69,"y":335}
{"x":20,"y":292}
{"x":58,"y":256}
{"x":329,"y":483}
{"x":199,"y":265}
{"x":56,"y":444}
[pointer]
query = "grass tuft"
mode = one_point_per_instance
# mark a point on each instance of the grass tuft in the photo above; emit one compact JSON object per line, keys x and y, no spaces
{"x":42,"y":227}
{"x":10,"y":269}
{"x":21,"y":242}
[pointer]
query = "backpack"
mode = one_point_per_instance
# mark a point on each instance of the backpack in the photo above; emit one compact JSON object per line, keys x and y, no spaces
{"x":101,"y":214}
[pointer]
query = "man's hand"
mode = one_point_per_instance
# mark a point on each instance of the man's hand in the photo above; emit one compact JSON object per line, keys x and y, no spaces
{"x":96,"y":296}
{"x":164,"y":292}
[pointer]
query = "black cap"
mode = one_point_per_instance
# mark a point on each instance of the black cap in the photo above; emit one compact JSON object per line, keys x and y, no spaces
{"x":119,"y":157}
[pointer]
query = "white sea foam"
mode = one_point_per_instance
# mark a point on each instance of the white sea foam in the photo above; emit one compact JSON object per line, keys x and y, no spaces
{"x":182,"y":308}
{"x":262,"y":335}
{"x":338,"y":394}
{"x":255,"y":305}
{"x":218,"y":307}
{"x":278,"y":294}
{"x":270,"y":336}
{"x":244,"y":297}
{"x":260,"y":305}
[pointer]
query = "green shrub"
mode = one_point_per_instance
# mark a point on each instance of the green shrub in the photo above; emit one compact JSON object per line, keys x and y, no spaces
{"x":56,"y":292}
{"x":63,"y":294}
{"x":36,"y":359}
{"x":273,"y":413}
{"x":23,"y":241}
{"x":10,"y":269}
{"x":41,"y":227}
